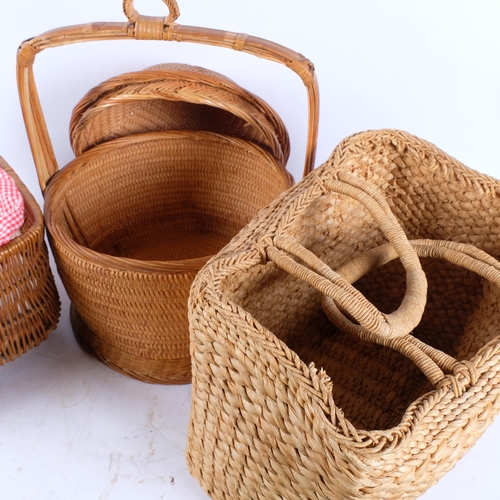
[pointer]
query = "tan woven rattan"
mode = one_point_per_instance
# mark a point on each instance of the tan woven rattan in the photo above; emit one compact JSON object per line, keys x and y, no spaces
{"x":130,"y":223}
{"x":305,"y":386}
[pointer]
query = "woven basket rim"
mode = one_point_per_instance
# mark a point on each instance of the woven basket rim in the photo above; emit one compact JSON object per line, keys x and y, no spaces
{"x":126,"y":264}
{"x":154,"y":73}
{"x":148,"y":75}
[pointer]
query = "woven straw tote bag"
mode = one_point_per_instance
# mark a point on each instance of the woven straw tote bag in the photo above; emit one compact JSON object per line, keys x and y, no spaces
{"x":302,"y":388}
{"x":175,"y":97}
{"x":132,"y":220}
{"x":29,"y":302}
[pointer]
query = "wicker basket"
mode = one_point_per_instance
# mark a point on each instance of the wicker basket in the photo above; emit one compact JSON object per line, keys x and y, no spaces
{"x":175,"y":97}
{"x":29,"y":302}
{"x":301,"y":387}
{"x":131,"y":220}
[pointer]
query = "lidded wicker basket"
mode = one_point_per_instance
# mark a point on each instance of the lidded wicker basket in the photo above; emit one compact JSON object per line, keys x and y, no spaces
{"x":302,"y":388}
{"x":175,"y":96}
{"x":132,"y":220}
{"x":29,"y":302}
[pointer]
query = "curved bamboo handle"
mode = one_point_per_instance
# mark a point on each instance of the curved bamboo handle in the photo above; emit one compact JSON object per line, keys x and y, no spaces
{"x":148,"y":28}
{"x":334,"y":285}
{"x":133,"y":15}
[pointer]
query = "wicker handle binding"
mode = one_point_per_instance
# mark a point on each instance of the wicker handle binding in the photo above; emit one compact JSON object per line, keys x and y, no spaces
{"x":133,"y":15}
{"x":142,"y":27}
{"x":333,"y":285}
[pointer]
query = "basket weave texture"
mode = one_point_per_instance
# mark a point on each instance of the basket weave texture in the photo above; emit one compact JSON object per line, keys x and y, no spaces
{"x":29,"y":302}
{"x":291,"y":398}
{"x":130,"y":223}
{"x":134,"y":217}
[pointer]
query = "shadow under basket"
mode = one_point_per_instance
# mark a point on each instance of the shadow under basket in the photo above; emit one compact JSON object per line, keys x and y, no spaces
{"x":29,"y":302}
{"x":131,"y":222}
{"x":287,"y":403}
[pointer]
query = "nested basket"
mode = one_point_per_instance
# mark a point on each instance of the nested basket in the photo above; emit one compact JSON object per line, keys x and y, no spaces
{"x":132,"y":220}
{"x":175,"y":97}
{"x":302,"y":388}
{"x":29,"y":302}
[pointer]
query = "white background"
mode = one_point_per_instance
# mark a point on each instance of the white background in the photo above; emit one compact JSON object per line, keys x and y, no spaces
{"x":71,"y":428}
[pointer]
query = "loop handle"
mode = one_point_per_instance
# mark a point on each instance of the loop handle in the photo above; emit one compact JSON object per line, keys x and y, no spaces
{"x":151,"y":28}
{"x":133,"y":15}
{"x":440,"y":368}
{"x":334,"y":284}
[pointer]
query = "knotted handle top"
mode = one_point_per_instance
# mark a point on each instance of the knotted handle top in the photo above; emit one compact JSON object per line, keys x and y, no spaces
{"x":133,"y":15}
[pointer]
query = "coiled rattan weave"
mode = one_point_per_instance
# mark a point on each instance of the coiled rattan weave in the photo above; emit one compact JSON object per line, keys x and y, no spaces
{"x":175,"y":97}
{"x":302,"y":388}
{"x":133,"y":219}
{"x":29,"y":302}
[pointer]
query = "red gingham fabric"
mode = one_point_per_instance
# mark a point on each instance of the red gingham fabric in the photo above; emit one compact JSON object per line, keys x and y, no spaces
{"x":11,"y":207}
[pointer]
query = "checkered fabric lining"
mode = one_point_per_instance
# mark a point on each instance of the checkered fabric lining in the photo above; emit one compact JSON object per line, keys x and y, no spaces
{"x":11,"y":208}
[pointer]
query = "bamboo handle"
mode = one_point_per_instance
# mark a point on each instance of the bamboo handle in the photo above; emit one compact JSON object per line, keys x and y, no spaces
{"x":334,"y":285}
{"x":133,"y":15}
{"x":148,"y":28}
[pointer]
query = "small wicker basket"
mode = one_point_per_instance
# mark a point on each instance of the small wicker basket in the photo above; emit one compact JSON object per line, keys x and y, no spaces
{"x":175,"y":97}
{"x":133,"y":219}
{"x":399,"y":397}
{"x":29,"y":302}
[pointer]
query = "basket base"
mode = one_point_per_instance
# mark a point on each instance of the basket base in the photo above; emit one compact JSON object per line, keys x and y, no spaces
{"x":153,"y":371}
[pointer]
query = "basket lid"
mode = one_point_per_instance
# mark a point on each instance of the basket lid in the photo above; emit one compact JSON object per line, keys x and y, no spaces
{"x":175,"y":96}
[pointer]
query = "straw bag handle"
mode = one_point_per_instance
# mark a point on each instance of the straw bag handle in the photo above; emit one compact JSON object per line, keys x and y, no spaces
{"x":434,"y":363}
{"x":142,"y":27}
{"x":335,"y":286}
